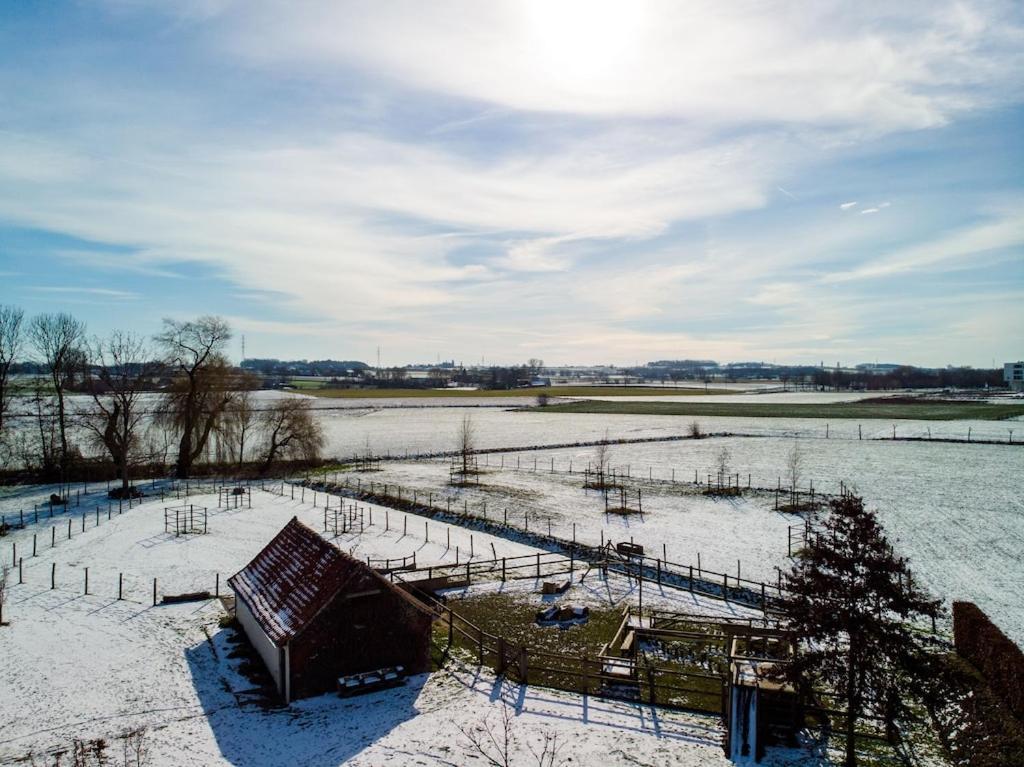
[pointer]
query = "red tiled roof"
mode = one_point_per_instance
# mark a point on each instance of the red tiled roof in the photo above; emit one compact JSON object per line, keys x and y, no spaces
{"x":295,"y":576}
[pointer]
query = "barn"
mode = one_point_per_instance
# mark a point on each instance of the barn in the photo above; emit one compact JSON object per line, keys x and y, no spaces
{"x":314,"y":614}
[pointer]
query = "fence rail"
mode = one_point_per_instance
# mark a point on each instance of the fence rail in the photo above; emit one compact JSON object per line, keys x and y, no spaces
{"x":694,"y":578}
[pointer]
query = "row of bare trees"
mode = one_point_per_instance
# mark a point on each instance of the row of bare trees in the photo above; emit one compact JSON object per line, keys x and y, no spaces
{"x":203,"y":407}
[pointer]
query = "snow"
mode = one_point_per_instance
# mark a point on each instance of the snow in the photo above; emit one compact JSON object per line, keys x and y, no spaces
{"x":90,"y":666}
{"x":678,"y":516}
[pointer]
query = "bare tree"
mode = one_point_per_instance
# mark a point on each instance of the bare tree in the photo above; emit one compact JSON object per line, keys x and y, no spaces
{"x":135,"y":748}
{"x":722,"y":463}
{"x":496,"y":743}
{"x":237,"y":427}
{"x":124,"y":366}
{"x":291,"y":429}
{"x":57,"y":338}
{"x":194,"y":350}
{"x":602,"y":460}
{"x":695,"y":430}
{"x":42,"y":450}
{"x":11,"y":337}
{"x":794,"y":464}
{"x":491,"y":742}
{"x":467,"y":444}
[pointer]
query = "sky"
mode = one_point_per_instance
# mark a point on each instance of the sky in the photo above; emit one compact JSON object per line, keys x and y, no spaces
{"x":578,"y":181}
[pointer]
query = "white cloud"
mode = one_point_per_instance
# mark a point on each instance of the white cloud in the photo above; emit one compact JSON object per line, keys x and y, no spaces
{"x":956,"y":249}
{"x":108,"y":292}
{"x":848,"y":205}
{"x":835,"y":64}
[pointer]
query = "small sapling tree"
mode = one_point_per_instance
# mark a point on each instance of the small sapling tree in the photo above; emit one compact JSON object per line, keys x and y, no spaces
{"x":854,"y":609}
{"x":722,"y":464}
{"x":466,"y":445}
{"x":602,"y":463}
{"x":794,"y":465}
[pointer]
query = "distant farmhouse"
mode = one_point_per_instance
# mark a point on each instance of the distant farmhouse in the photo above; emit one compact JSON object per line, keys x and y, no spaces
{"x":315,"y":614}
{"x":1013,"y":374}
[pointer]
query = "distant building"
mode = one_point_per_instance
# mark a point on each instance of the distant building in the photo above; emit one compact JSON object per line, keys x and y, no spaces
{"x":314,"y":614}
{"x":1013,"y":374}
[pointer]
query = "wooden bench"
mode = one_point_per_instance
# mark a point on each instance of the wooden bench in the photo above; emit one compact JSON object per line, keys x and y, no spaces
{"x":368,"y":681}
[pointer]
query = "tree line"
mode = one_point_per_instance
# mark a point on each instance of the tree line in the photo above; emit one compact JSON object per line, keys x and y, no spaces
{"x":205,"y":406}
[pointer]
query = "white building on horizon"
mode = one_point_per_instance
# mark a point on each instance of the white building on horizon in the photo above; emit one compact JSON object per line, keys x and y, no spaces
{"x":1013,"y":374}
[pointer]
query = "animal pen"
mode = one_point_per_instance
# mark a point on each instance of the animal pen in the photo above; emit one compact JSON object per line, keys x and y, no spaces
{"x":185,"y":520}
{"x":464,"y":470}
{"x":344,"y":518}
{"x":234,"y":497}
{"x":623,"y":502}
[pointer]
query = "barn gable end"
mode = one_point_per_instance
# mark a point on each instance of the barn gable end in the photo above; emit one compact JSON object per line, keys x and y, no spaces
{"x":326,"y":614}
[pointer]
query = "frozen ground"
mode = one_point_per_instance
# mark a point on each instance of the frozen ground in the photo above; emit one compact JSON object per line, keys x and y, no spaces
{"x":396,"y":427}
{"x":955,"y":510}
{"x":91,"y":666}
{"x":690,"y":526}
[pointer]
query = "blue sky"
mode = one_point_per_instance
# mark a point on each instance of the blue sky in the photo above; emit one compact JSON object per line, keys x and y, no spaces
{"x":575,"y":181}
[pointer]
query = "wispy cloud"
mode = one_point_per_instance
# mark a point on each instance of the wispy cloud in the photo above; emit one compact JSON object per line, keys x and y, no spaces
{"x":960,"y":248}
{"x":80,"y":291}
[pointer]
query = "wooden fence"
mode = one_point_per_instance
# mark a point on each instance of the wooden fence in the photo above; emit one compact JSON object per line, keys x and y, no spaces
{"x":661,"y":570}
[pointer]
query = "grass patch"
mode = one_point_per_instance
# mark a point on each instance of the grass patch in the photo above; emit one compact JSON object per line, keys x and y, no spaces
{"x":925,"y":411}
{"x":550,"y":391}
{"x":514,"y":618}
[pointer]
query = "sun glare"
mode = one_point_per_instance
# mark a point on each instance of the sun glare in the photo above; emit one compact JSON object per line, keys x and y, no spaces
{"x":579,"y":42}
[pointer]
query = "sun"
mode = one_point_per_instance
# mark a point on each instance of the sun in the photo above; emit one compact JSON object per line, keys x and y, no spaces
{"x":580,"y":43}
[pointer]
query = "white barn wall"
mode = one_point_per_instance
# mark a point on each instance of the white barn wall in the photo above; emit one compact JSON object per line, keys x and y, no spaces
{"x":268,"y":651}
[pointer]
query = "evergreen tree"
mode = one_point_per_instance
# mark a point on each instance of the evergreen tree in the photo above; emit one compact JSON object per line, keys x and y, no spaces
{"x":856,"y":614}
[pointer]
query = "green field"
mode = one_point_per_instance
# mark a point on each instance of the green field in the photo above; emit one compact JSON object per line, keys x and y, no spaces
{"x":919,"y":411}
{"x":312,"y":387}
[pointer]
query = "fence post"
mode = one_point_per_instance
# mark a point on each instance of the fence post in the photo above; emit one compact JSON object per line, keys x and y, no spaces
{"x":86,"y":580}
{"x":216,"y":585}
{"x":154,"y":592}
{"x":53,"y":575}
{"x":120,"y":586}
{"x":22,"y":580}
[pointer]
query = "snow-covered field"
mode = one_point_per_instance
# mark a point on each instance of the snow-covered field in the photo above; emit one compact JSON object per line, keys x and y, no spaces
{"x":91,"y":666}
{"x":678,"y":520}
{"x":955,"y":510}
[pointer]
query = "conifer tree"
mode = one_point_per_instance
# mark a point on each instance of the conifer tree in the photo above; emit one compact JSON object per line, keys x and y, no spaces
{"x":856,"y":613}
